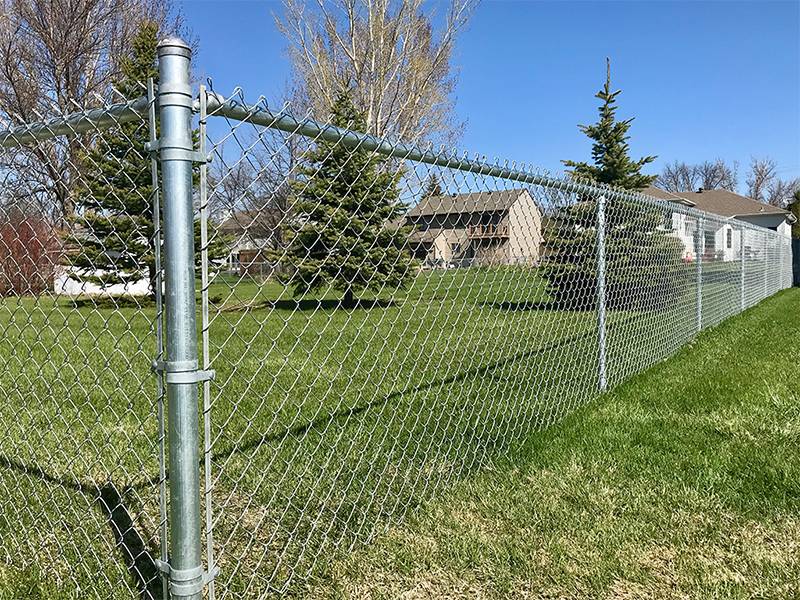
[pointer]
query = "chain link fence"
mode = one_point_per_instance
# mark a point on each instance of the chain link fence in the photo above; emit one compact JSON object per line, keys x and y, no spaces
{"x":350,"y":325}
{"x":80,"y":468}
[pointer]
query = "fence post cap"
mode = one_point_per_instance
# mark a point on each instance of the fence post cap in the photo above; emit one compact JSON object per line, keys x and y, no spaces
{"x":174,"y":45}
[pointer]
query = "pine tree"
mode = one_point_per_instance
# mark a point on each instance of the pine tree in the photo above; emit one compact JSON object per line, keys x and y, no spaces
{"x":794,"y":208}
{"x":643,"y":263}
{"x":433,"y":187}
{"x":610,"y":150}
{"x":114,"y":211}
{"x":345,"y":200}
{"x":642,"y":260}
{"x":114,"y":207}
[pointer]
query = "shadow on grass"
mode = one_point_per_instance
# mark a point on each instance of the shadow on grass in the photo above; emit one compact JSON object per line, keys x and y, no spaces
{"x":310,"y":304}
{"x":112,"y":302}
{"x":545,"y":306}
{"x":342,"y":416}
{"x":137,"y":553}
{"x":355,"y":489}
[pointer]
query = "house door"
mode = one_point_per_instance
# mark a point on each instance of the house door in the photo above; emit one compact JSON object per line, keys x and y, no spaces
{"x":710,"y":244}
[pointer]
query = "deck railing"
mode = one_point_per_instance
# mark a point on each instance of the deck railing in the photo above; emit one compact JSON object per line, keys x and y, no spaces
{"x":491,"y":230}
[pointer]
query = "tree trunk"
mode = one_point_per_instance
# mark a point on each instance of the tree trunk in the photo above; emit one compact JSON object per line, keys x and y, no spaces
{"x":348,"y":301}
{"x":151,"y":274}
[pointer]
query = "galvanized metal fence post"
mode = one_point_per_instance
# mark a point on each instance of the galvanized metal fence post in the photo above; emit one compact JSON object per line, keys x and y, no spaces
{"x":698,"y":251}
{"x":204,"y":283}
{"x":741,"y":268}
{"x":601,"y":293}
{"x":784,"y":256}
{"x":159,"y":331}
{"x":766,"y":266}
{"x":176,"y":153}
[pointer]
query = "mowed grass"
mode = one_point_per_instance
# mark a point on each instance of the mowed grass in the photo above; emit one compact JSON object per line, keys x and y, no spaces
{"x":327,"y":424}
{"x":684,"y":482}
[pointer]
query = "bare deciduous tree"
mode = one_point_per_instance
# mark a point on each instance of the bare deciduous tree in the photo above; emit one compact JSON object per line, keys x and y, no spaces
{"x":253,"y":190}
{"x":782,"y":192}
{"x":709,"y":175}
{"x":717,"y":174}
{"x":389,"y":53}
{"x":763,"y":172}
{"x":677,"y":177}
{"x":57,"y":56}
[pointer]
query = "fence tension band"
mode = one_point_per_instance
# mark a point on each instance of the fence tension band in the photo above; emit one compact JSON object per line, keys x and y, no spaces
{"x":182,"y":371}
{"x":185,"y":582}
{"x":176,"y":153}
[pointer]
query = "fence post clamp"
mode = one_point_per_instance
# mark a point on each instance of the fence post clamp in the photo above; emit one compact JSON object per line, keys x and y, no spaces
{"x":186,"y":582}
{"x":176,"y":153}
{"x":182,"y":371}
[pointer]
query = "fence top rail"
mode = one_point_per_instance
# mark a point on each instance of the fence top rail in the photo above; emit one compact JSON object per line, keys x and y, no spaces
{"x":74,"y":123}
{"x":237,"y":109}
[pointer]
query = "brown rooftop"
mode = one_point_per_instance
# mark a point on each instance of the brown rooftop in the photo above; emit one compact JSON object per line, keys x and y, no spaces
{"x":665,"y":195}
{"x":424,"y":237}
{"x":719,"y":202}
{"x":251,"y":221}
{"x":475,"y":202}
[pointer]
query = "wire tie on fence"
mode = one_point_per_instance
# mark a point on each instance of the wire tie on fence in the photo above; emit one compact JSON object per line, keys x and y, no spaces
{"x":182,"y":371}
{"x":176,"y":153}
{"x":186,"y":582}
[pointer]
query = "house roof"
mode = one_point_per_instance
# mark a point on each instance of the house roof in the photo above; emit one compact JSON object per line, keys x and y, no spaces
{"x":426,"y":236}
{"x":475,"y":202}
{"x":719,"y":202}
{"x":665,"y":195}
{"x":251,"y":221}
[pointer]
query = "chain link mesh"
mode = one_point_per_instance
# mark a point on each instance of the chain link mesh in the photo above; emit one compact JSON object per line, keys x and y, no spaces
{"x":382,"y":319}
{"x":80,"y":453}
{"x":386,"y":319}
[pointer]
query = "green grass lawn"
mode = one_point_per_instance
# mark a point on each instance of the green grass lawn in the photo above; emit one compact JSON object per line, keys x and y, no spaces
{"x":327,"y":424}
{"x":684,"y":482}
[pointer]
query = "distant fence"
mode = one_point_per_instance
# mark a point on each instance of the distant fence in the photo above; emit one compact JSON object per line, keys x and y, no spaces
{"x":796,"y":261}
{"x":236,"y":432}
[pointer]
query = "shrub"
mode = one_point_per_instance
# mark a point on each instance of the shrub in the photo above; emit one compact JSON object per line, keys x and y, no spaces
{"x":643,"y":262}
{"x":28,"y":254}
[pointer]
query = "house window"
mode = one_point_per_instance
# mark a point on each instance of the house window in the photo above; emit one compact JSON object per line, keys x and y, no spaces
{"x":454,"y":248}
{"x":729,"y":238}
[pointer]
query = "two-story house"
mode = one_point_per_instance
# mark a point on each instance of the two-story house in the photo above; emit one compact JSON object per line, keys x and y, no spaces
{"x":480,"y":228}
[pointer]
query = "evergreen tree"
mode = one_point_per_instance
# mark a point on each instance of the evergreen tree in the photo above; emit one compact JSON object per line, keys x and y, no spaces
{"x":114,"y":211}
{"x":610,"y":150}
{"x":114,"y":206}
{"x":642,"y":260}
{"x":794,"y":208}
{"x":345,"y":199}
{"x":643,"y":263}
{"x":433,"y":187}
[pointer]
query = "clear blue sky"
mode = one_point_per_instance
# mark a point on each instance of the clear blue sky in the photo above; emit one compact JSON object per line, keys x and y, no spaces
{"x":703,"y":79}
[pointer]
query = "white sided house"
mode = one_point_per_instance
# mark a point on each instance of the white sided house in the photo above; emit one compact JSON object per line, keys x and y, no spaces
{"x":476,"y":229}
{"x":722,"y":238}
